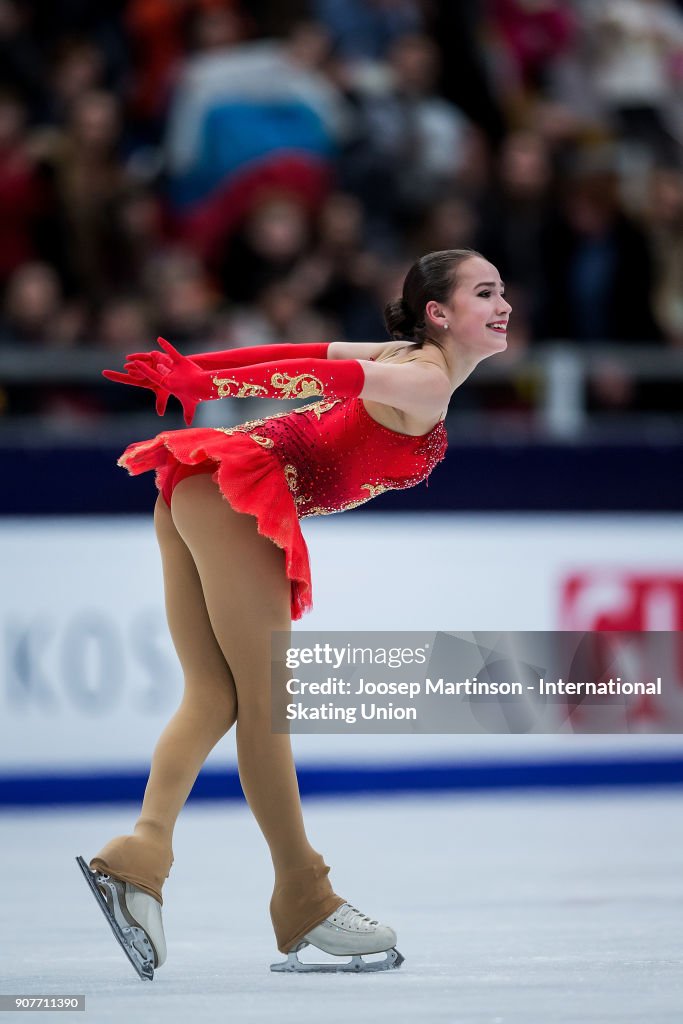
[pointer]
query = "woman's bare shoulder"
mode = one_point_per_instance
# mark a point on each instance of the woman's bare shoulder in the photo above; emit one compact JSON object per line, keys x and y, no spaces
{"x":408,"y":352}
{"x":375,"y":350}
{"x":398,"y":352}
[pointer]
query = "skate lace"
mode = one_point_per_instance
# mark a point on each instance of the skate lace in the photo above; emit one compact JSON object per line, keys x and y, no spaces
{"x":350,"y":916}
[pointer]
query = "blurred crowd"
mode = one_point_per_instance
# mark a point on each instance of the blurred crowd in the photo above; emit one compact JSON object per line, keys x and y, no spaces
{"x":548,"y":134}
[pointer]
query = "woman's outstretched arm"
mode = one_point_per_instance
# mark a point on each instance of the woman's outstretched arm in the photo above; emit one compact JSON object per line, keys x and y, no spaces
{"x":250,"y":354}
{"x":416,"y":387}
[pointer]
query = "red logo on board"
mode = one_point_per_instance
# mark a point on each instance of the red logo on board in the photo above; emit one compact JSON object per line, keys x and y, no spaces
{"x":620,"y":601}
{"x":604,"y":599}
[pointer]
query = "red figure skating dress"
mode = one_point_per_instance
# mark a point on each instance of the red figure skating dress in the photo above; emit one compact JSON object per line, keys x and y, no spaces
{"x":326,"y":457}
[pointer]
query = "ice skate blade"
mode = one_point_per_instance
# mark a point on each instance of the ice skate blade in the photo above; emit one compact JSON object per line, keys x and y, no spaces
{"x":132,"y":939}
{"x":356,"y":965}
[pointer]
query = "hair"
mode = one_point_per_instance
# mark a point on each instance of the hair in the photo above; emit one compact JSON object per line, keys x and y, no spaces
{"x":431,"y":278}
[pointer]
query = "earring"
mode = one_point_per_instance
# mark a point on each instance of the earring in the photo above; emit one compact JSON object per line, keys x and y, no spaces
{"x":445,"y":327}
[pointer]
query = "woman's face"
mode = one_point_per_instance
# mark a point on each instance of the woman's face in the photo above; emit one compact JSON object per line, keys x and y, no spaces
{"x":477,"y":313}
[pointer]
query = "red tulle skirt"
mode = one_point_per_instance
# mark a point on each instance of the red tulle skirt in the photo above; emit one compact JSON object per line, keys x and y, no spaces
{"x":248,"y":476}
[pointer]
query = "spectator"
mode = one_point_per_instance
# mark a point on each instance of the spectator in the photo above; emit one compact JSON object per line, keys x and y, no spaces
{"x":514,"y":215}
{"x":449,"y":223}
{"x":21,"y":61}
{"x":124,"y":325}
{"x":309,"y":45}
{"x":245,"y":119}
{"x":184,"y":303}
{"x":214,"y":26}
{"x":341,"y":271}
{"x":89,"y":179}
{"x":409,"y":146}
{"x":664,"y":226}
{"x":155,"y":31}
{"x":34,"y":311}
{"x":600,"y":274}
{"x":79,"y":67}
{"x":136,"y":237}
{"x":280,"y":314}
{"x":467,"y":72}
{"x":273,"y":238}
{"x":528,"y":37}
{"x":635,"y":43}
{"x":22,"y":194}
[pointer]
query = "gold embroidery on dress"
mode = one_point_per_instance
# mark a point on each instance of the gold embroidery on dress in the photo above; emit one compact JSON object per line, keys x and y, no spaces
{"x":247,"y":425}
{"x":373,"y":489}
{"x":318,"y":408}
{"x":292,"y":478}
{"x":245,"y":390}
{"x":242,"y":428}
{"x":288,"y":412}
{"x":303,"y":386}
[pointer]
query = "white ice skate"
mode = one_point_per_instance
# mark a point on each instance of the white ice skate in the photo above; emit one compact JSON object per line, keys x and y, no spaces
{"x":346,"y":932}
{"x":134,"y":917}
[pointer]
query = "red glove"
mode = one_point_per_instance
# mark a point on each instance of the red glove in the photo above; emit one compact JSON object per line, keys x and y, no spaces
{"x":163,"y":362}
{"x":287,"y":378}
{"x":139,"y":380}
{"x":152,"y":372}
{"x":233,"y":357}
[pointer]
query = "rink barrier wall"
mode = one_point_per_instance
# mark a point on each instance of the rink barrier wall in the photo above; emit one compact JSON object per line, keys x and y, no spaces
{"x":327,"y":781}
{"x":86,"y":659}
{"x":48,"y":479}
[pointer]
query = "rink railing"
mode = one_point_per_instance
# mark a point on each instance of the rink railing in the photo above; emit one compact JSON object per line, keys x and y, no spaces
{"x":550,"y":388}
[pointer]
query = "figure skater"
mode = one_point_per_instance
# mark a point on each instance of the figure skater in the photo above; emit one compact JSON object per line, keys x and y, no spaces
{"x":236,"y":568}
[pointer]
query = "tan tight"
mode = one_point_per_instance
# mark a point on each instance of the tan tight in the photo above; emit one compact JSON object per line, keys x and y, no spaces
{"x":226,"y":590}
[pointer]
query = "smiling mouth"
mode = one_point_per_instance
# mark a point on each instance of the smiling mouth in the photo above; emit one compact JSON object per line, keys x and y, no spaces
{"x":500,"y":328}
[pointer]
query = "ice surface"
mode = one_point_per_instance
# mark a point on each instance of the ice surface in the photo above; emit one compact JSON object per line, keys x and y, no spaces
{"x":515,"y":909}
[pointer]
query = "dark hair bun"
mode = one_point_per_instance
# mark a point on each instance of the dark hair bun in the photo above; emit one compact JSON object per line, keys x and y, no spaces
{"x":399,"y":319}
